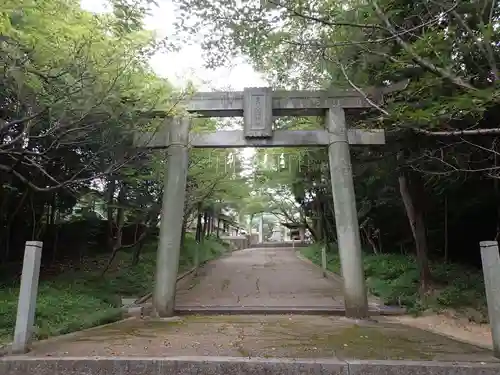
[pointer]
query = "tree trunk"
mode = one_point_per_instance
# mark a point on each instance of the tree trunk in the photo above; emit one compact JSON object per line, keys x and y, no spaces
{"x":318,"y":219}
{"x":368,"y":233}
{"x":330,"y":224}
{"x":324,"y":227}
{"x":56,"y":237}
{"x":110,"y":212}
{"x":116,"y":240}
{"x":319,"y":227}
{"x":137,"y":254}
{"x":183,"y":232}
{"x":312,"y":230}
{"x":411,"y":191}
{"x":47,"y":208}
{"x":120,"y":216}
{"x":199,"y":226}
{"x":137,"y":251}
{"x":53,"y":208}
{"x":209,"y":223}
{"x":250,"y":226}
{"x":446,"y":229}
{"x":205,"y":224}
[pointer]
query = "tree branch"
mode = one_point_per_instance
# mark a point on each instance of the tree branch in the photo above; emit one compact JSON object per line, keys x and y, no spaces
{"x":416,"y":57}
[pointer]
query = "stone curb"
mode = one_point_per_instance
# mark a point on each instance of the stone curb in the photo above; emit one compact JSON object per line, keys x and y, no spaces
{"x":392,"y":310}
{"x":330,"y":274}
{"x":234,"y":366}
{"x":148,"y":296}
{"x":338,"y":278}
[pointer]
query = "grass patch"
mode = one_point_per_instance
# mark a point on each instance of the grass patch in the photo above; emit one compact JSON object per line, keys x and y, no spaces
{"x":76,"y":300}
{"x":394,"y":279}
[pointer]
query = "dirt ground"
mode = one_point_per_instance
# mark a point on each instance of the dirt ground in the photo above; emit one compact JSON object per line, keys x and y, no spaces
{"x":451,"y":325}
{"x":293,"y":336}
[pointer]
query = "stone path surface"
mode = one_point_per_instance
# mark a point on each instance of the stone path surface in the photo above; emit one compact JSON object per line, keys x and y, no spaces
{"x":261,"y":277}
{"x":284,"y":336}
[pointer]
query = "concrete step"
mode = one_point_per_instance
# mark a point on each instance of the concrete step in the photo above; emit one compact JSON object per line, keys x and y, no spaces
{"x":283,"y":310}
{"x":236,"y":366}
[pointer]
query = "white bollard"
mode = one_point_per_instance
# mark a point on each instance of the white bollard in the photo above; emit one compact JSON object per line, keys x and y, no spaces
{"x":323,"y":260}
{"x":26,"y":306}
{"x":490,"y":258}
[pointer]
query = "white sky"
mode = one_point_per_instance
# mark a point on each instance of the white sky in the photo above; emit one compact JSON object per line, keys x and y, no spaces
{"x":187,"y":64}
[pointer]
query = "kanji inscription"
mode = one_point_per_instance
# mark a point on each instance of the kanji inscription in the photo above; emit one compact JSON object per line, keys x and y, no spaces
{"x":257,"y":113}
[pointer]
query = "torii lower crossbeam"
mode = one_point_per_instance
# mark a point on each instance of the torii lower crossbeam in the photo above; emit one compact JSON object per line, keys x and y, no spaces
{"x":280,"y":138}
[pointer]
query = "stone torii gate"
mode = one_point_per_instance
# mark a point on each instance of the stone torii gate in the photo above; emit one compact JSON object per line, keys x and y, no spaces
{"x":258,"y":106}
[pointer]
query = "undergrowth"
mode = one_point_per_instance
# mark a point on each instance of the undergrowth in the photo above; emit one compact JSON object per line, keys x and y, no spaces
{"x":394,"y":278}
{"x":76,"y":300}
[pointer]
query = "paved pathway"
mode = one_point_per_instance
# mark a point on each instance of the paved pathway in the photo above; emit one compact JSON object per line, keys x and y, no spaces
{"x":289,"y":336}
{"x":261,"y":277}
{"x":267,"y":277}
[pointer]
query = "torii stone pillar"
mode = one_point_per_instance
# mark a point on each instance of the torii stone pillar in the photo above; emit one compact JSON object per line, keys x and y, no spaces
{"x":346,"y":217}
{"x":174,"y":195}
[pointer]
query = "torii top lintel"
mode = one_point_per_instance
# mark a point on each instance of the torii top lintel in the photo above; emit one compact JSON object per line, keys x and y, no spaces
{"x":259,"y":105}
{"x":282,"y":103}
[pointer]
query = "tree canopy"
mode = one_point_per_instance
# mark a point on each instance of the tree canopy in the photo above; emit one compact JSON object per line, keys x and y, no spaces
{"x":73,"y":92}
{"x":425,"y":189}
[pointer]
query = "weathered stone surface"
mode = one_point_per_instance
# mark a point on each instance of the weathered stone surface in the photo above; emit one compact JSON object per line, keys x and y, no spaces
{"x":346,"y":216}
{"x":128,"y":301}
{"x":174,"y":195}
{"x":236,"y":242}
{"x":282,"y":310}
{"x":234,"y":366}
{"x":257,"y":112}
{"x":261,"y":336}
{"x":490,"y":259}
{"x":170,"y":366}
{"x":135,"y":311}
{"x":284,"y":103}
{"x":281,"y":138}
{"x":278,"y":245}
{"x":27,"y":297}
{"x":261,"y":277}
{"x":424,"y":368}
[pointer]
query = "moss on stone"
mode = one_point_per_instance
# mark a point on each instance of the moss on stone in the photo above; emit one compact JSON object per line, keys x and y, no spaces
{"x":285,"y":336}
